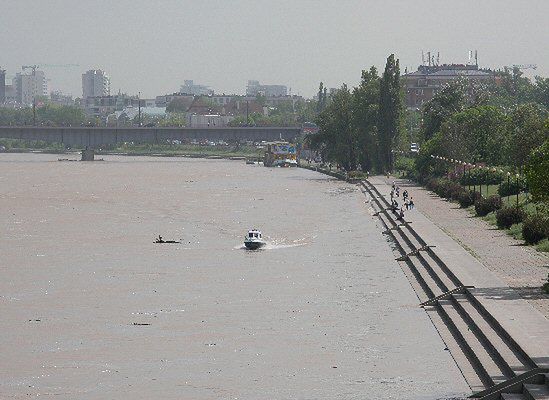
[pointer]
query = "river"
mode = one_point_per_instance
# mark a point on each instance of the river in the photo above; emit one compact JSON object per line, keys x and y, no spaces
{"x":91,"y":308}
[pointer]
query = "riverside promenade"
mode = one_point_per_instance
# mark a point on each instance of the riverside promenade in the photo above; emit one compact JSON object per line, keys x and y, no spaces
{"x":521,"y":267}
{"x":497,"y":336}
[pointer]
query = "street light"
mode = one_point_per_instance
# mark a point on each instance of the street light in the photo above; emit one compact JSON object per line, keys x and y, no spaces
{"x":518,"y":188}
{"x":508,"y":186}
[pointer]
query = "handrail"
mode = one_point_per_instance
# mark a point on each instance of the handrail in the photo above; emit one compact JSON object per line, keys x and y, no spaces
{"x":488,"y":394}
{"x":444,"y":295}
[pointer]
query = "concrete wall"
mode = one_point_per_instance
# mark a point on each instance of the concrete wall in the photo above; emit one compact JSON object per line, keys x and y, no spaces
{"x":96,"y":137}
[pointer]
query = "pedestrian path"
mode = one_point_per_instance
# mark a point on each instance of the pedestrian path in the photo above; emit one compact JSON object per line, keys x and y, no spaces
{"x":498,"y":340}
{"x":522,"y":268}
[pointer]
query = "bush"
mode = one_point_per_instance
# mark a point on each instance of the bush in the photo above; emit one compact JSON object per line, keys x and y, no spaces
{"x":484,"y":206}
{"x":513,"y":188}
{"x":508,"y":216}
{"x":537,"y":172}
{"x":467,"y":198}
{"x":534,"y":228}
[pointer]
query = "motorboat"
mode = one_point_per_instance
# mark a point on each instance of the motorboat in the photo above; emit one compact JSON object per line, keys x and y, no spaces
{"x":254,"y":240}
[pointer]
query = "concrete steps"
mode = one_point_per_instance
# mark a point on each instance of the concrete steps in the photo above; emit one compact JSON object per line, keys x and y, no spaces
{"x":485,"y":353}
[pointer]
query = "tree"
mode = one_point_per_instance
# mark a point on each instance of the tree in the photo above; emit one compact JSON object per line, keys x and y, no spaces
{"x":537,"y":172}
{"x":336,"y":139}
{"x":178,"y":104}
{"x":365,"y":119}
{"x":476,"y":134}
{"x":527,"y":131}
{"x":322,"y":98}
{"x":541,"y":91}
{"x":390,"y":110}
{"x":449,"y":100}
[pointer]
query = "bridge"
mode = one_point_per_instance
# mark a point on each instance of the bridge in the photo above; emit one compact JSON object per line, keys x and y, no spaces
{"x":97,"y":137}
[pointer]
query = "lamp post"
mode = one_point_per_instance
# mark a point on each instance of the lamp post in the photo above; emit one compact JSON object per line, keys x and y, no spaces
{"x":508,"y":186}
{"x":474,"y":182}
{"x":480,"y":184}
{"x":518,"y":189}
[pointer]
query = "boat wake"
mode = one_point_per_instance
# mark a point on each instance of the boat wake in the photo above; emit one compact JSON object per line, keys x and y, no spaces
{"x":280,"y":244}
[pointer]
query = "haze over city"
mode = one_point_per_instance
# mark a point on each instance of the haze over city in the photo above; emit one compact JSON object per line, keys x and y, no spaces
{"x":274,"y":199}
{"x":152,"y":47}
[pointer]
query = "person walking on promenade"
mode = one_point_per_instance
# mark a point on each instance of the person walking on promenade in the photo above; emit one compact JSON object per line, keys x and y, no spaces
{"x":411,"y":203}
{"x":407,"y":204}
{"x":397,"y":191}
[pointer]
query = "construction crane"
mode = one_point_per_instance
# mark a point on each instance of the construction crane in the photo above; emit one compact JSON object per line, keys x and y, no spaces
{"x":521,"y":66}
{"x":59,"y":65}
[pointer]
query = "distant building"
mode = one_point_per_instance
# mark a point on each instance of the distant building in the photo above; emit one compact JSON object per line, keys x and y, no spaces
{"x":10,"y":95}
{"x":254,"y":88}
{"x":30,"y":86}
{"x":128,"y":115}
{"x":95,"y":83}
{"x":56,"y":97}
{"x":165,"y":100}
{"x":427,"y":81}
{"x":102,"y":106}
{"x":197,"y":90}
{"x":2,"y":86}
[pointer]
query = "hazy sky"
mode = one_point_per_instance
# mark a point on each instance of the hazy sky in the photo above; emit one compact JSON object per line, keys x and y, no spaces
{"x":153,"y":45}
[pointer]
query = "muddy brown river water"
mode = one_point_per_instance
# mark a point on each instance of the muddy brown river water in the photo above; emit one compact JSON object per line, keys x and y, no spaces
{"x":90,"y":308}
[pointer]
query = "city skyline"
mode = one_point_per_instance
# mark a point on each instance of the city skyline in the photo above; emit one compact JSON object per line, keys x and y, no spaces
{"x":154,"y":48}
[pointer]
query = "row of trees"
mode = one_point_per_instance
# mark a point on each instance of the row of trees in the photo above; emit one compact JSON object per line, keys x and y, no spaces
{"x":461,"y":125}
{"x":359,"y":127}
{"x":49,"y":115}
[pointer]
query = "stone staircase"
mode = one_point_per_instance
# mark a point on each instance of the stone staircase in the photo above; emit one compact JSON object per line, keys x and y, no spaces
{"x":491,"y":361}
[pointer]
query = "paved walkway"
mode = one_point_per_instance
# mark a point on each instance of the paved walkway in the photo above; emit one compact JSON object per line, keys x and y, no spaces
{"x":522,"y":267}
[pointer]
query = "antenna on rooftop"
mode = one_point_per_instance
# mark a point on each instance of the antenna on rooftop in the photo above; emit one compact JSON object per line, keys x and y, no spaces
{"x":438,"y":57}
{"x":429,"y":57}
{"x":422,"y":58}
{"x":476,"y":58}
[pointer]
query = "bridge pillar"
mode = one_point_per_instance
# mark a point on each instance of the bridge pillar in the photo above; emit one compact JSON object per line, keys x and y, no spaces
{"x":88,"y":154}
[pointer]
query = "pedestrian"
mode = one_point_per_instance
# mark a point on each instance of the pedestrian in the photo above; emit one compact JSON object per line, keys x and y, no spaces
{"x":407,"y":204}
{"x":411,"y":203}
{"x":401,"y":214}
{"x":397,"y":191}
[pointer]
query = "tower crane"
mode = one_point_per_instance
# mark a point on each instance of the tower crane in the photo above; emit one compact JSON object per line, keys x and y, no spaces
{"x":522,"y":66}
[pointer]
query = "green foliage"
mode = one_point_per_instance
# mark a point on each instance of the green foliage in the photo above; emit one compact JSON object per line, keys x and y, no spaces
{"x":543,"y":246}
{"x":537,"y":172}
{"x":336,"y":139}
{"x":405,"y":164}
{"x":508,"y":216}
{"x":390,"y":111}
{"x":527,"y":131}
{"x":512,"y":186}
{"x":477,"y":134}
{"x":365,"y":115}
{"x":47,"y":115}
{"x":450,"y":100}
{"x":427,"y":166}
{"x":467,"y":198}
{"x":534,"y":228}
{"x":484,"y":206}
{"x":482,"y":176}
{"x":178,"y":105}
{"x":541,"y":91}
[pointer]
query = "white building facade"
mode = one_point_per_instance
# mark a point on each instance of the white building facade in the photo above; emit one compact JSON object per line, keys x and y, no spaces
{"x":95,"y":83}
{"x":30,"y":86}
